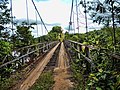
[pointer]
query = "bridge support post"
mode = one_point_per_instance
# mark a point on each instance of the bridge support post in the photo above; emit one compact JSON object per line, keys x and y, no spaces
{"x":43,"y":48}
{"x":78,"y":48}
{"x":88,"y":66}
{"x":113,"y":62}
{"x":23,"y":62}
{"x":19,"y":64}
{"x":39,"y":49}
{"x":48,"y":46}
{"x":76,"y":53}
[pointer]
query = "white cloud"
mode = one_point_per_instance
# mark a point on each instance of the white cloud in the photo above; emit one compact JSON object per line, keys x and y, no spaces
{"x":41,"y":0}
{"x":53,"y":12}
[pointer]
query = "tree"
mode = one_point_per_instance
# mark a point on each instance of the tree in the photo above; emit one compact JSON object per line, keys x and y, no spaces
{"x":106,"y":12}
{"x":56,"y":33}
{"x":102,"y":12}
{"x":5,"y":49}
{"x":4,"y":12}
{"x":5,"y":46}
{"x":24,"y":35}
{"x":56,"y":29}
{"x":4,"y":19}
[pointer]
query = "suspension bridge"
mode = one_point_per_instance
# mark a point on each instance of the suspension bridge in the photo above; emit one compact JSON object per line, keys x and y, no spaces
{"x":31,"y":61}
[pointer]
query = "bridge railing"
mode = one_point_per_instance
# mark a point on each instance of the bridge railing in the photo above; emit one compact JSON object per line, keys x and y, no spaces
{"x":82,"y":51}
{"x":85,"y":52}
{"x":26,"y":55}
{"x":115,"y":62}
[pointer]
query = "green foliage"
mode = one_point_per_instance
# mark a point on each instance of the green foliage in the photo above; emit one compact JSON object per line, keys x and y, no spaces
{"x":44,"y":82}
{"x":5,"y":44}
{"x":104,"y":75}
{"x":78,"y":72}
{"x":4,"y":19}
{"x":44,"y":38}
{"x":56,"y":29}
{"x":98,"y":38}
{"x":74,"y":38}
{"x":56,"y":34}
{"x":24,"y":36}
{"x":4,"y":12}
{"x":98,"y":10}
{"x":53,"y":36}
{"x":103,"y":80}
{"x":5,"y":49}
{"x":5,"y":83}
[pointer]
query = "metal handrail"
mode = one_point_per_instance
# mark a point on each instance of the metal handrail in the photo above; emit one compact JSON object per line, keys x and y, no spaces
{"x":16,"y":59}
{"x":75,"y":46}
{"x":86,"y":58}
{"x":89,"y":46}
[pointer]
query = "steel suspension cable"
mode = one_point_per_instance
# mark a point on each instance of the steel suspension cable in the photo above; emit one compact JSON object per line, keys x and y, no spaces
{"x":11,"y":15}
{"x":73,"y":22}
{"x":42,"y":28}
{"x":11,"y":8}
{"x":71,"y":14}
{"x":86,"y":19}
{"x":77,"y":16}
{"x":39,"y":15}
{"x":27,"y":12}
{"x":36,"y":22}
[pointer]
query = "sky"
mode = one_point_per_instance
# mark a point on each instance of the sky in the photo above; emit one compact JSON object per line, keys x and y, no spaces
{"x":53,"y":12}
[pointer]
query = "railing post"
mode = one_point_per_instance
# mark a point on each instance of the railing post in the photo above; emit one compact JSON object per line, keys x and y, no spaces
{"x":19,"y":65}
{"x":78,"y":48}
{"x":39,"y":49}
{"x":22,"y":61}
{"x":75,"y":45}
{"x":72,"y":44}
{"x":88,"y":66}
{"x":43,"y":47}
{"x":113,"y":62}
{"x":49,"y":45}
{"x":76,"y":53}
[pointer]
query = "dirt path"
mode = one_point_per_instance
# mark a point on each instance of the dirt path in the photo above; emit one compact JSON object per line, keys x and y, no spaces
{"x":37,"y":71}
{"x":61,"y":73}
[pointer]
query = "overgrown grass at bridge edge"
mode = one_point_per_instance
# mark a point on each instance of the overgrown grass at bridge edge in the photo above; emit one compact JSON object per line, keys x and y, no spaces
{"x":44,"y":82}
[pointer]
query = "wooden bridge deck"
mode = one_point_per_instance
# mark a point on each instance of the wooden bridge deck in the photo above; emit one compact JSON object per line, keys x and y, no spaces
{"x":37,"y":71}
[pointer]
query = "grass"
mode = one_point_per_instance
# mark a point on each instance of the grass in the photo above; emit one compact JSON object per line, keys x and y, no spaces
{"x":44,"y":82}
